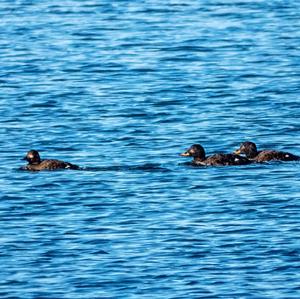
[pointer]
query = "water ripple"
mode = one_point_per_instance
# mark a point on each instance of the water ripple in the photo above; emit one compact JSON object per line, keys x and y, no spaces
{"x":121,"y":88}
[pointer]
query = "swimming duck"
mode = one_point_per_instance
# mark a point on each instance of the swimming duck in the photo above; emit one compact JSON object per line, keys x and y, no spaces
{"x":36,"y":164}
{"x":198,"y":153}
{"x":249,"y":149}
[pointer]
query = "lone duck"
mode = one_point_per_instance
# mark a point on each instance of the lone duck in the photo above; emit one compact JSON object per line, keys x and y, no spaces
{"x":249,"y":149}
{"x":198,"y":153}
{"x":36,"y":164}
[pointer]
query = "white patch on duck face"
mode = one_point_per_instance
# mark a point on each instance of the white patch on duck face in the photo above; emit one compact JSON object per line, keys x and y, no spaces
{"x":236,"y":159}
{"x":287,"y":156}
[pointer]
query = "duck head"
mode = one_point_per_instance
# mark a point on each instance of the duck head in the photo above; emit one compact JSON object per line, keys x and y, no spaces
{"x":32,"y":157}
{"x":247,"y":148}
{"x":196,"y":151}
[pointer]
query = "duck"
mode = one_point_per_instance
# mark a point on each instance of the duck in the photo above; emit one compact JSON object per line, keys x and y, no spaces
{"x":198,"y":153}
{"x":36,"y":164}
{"x":249,"y":149}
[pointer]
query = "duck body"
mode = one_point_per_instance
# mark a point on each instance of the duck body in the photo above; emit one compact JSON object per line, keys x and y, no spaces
{"x":249,"y":149}
{"x":50,"y":165}
{"x":271,"y":155}
{"x":197,"y":152}
{"x":36,"y":164}
{"x":225,"y":159}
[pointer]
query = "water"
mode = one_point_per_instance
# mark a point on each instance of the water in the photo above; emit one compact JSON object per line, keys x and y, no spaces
{"x":121,"y":88}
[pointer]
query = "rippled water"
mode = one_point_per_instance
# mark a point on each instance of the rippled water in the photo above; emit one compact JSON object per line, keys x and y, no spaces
{"x":122,"y":88}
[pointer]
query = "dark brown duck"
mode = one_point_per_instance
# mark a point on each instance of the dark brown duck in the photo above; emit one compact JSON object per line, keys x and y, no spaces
{"x":198,"y":153}
{"x":36,"y":164}
{"x":249,"y":149}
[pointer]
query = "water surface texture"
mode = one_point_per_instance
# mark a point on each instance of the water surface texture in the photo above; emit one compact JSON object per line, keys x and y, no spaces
{"x":121,"y":88}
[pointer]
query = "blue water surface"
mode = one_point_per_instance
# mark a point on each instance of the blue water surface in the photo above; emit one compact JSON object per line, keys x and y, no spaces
{"x":121,"y":88}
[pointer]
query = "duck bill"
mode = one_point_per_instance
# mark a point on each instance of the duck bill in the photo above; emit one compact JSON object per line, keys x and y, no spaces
{"x":24,"y":158}
{"x":186,"y":154}
{"x":237,"y":152}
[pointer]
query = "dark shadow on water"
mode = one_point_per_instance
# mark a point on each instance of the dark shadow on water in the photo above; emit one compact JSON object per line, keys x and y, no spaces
{"x":148,"y":167}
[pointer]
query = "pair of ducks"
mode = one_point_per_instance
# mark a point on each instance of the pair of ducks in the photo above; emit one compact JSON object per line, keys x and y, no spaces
{"x":248,"y":149}
{"x":252,"y":155}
